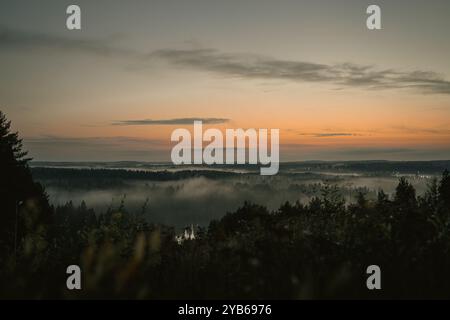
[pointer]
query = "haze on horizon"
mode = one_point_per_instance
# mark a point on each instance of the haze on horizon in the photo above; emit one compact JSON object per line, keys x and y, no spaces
{"x":116,"y":89}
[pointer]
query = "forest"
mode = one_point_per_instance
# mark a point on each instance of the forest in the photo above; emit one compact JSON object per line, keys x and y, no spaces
{"x":318,"y":249}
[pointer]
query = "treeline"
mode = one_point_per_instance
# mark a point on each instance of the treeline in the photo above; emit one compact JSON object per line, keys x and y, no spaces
{"x":368,"y":166}
{"x":315,"y":250}
{"x":42,"y":173}
{"x":374,"y":167}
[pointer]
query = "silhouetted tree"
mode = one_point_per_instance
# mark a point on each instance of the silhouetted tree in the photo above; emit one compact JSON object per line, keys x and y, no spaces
{"x":444,"y":190}
{"x":24,"y":203}
{"x":430,"y":200}
{"x":405,"y":197}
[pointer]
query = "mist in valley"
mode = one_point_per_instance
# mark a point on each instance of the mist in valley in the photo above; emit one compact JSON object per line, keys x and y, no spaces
{"x":198,"y":200}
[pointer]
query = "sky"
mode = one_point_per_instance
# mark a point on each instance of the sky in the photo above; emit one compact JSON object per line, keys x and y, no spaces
{"x":137,"y":70}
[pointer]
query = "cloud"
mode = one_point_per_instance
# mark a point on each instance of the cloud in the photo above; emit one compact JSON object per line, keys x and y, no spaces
{"x":17,"y":39}
{"x":177,"y":121}
{"x":254,"y":66}
{"x":322,"y":135}
{"x":248,"y":66}
{"x":330,"y":134}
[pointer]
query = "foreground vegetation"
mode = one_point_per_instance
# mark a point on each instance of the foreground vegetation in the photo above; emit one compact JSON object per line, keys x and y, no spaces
{"x":316,"y":250}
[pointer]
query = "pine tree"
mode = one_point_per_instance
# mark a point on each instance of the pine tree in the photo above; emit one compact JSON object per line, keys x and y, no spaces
{"x":430,"y":199}
{"x":405,"y":196}
{"x":24,"y":204}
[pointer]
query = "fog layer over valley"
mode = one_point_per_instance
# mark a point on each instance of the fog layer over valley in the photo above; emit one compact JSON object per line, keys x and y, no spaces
{"x":180,"y":196}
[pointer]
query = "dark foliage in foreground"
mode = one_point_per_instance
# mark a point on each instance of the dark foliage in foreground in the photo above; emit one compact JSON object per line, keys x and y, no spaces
{"x":315,"y":250}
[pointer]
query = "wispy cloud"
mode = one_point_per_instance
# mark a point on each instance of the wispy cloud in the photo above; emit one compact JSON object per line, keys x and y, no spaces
{"x":177,"y":121}
{"x":18,"y":39}
{"x":344,"y":74}
{"x":248,"y":66}
{"x":328,"y":134}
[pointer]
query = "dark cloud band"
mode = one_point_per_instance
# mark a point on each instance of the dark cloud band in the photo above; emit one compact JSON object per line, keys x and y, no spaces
{"x":344,"y":74}
{"x":178,"y":121}
{"x":17,"y":39}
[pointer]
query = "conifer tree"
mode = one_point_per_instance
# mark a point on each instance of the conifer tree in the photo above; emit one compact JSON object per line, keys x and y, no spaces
{"x":24,"y":204}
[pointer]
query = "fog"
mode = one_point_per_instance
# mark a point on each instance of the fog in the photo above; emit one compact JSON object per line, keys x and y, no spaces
{"x":198,"y":200}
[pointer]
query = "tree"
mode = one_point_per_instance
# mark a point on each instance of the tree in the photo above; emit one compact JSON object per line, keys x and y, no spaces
{"x":429,"y":201}
{"x":361,"y":200}
{"x":444,"y":190}
{"x":24,"y":204}
{"x":405,"y":196}
{"x":382,"y":203}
